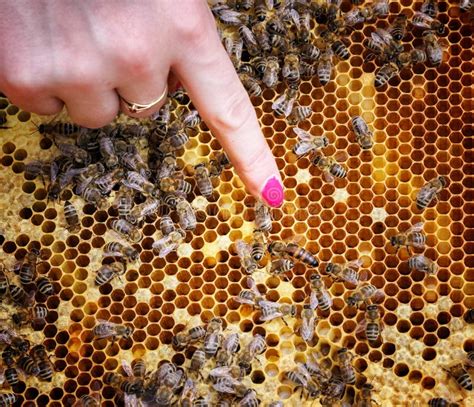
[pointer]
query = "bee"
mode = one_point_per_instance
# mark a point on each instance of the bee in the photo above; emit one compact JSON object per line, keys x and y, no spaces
{"x":261,"y":9}
{"x":105,"y":329}
{"x":344,"y":358}
{"x":71,"y":216}
{"x":167,"y":167}
{"x":469,"y":316}
{"x":255,"y":347}
{"x":291,"y":70}
{"x":249,"y":40}
{"x":188,"y":394}
{"x":325,"y":66}
{"x":163,"y":116}
{"x":299,"y":113}
{"x":412,"y":57}
{"x":308,"y":143}
{"x":412,"y":237}
{"x":147,"y":208}
{"x":302,"y":378}
{"x":244,"y":251}
{"x":336,"y":44}
{"x":7,"y":399}
{"x":35,"y":315}
{"x":398,"y":29}
{"x":424,"y":21}
{"x":89,"y":401}
{"x":108,"y":272}
{"x":213,"y":338}
{"x":330,"y":167}
{"x":28,"y":365}
{"x":459,"y":373}
{"x":363,"y":294}
{"x":244,"y":4}
{"x":272,"y":310}
{"x":440,"y":402}
{"x":385,"y":73}
{"x":250,"y":84}
{"x":250,"y":399}
{"x":139,"y":183}
{"x":198,"y":360}
{"x":37,"y":168}
{"x":317,"y":371}
{"x":319,"y":295}
{"x":258,"y":245}
{"x":3,"y":281}
{"x":218,"y":164}
{"x":117,"y":249}
{"x":383,"y":45}
{"x":308,"y":321}
{"x":182,"y":339}
{"x":230,"y":346}
{"x":78,"y":155}
{"x":364,"y":398}
{"x":430,"y":7}
{"x":270,"y":73}
{"x":124,"y":201}
{"x":281,"y":266}
{"x":20,"y":297}
{"x":364,"y":136}
{"x":58,"y":129}
{"x":44,"y":286}
{"x":372,"y":324}
{"x":346,"y":272}
{"x":263,"y":217}
{"x":41,"y":358}
{"x":466,"y":5}
{"x":229,"y":385}
{"x":333,"y":391}
{"x":169,"y":242}
{"x":470,"y":359}
{"x":283,"y":105}
{"x":175,"y":185}
{"x":27,"y":267}
{"x":433,"y":49}
{"x":311,"y":52}
{"x":203,"y":180}
{"x":166,"y":225}
{"x":126,"y":385}
{"x":126,"y":229}
{"x":251,"y":296}
{"x":107,"y":151}
{"x":186,"y":214}
{"x":262,"y":36}
{"x":422,"y":263}
{"x":11,"y":373}
{"x":430,"y":191}
{"x":106,"y":182}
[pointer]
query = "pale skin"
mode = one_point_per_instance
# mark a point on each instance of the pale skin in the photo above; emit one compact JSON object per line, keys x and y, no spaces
{"x":84,"y":54}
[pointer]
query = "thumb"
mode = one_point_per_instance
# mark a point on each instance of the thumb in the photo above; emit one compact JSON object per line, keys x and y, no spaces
{"x":215,"y":89}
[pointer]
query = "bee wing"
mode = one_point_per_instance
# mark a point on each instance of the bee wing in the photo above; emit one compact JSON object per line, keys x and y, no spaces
{"x":417,"y":227}
{"x":224,"y":386}
{"x":127,"y":368}
{"x":222,"y":371}
{"x":384,"y":36}
{"x":303,"y":371}
{"x":112,"y":254}
{"x":242,"y":248}
{"x":253,"y":286}
{"x":269,"y":317}
{"x":303,"y":135}
{"x":269,"y":4}
{"x":421,"y":20}
{"x":269,"y":304}
{"x":130,"y":400}
{"x":243,"y":300}
{"x":106,"y":323}
{"x":363,"y":275}
{"x":354,"y":264}
{"x":341,"y":156}
{"x":361,"y":326}
{"x":378,"y":295}
{"x":328,"y":177}
{"x":295,"y":17}
{"x":313,"y":300}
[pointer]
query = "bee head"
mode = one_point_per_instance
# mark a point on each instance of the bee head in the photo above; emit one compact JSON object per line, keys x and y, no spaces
{"x":372,"y":307}
{"x":317,"y":159}
{"x":443,"y":181}
{"x":393,"y":240}
{"x":329,"y":268}
{"x":341,"y":351}
{"x":315,"y":277}
{"x":293,"y":310}
{"x":325,"y":141}
{"x":351,"y":301}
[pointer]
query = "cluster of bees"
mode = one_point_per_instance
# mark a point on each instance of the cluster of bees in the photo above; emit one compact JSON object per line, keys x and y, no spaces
{"x":20,"y":357}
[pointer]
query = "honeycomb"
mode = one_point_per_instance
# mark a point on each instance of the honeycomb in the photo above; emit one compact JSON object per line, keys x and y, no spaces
{"x":421,"y":124}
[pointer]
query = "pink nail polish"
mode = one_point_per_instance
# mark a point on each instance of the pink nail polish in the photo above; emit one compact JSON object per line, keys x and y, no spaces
{"x":272,"y":192}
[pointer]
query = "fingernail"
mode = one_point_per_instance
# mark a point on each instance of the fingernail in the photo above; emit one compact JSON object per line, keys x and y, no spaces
{"x":272,"y":192}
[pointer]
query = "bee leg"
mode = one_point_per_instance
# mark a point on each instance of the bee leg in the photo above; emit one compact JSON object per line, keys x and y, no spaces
{"x":286,"y":323}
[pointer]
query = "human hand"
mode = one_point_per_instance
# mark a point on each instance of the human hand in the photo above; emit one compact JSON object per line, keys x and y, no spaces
{"x":85,"y":54}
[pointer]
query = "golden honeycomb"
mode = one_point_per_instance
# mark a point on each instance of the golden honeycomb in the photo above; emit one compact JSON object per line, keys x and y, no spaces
{"x":421,"y":122}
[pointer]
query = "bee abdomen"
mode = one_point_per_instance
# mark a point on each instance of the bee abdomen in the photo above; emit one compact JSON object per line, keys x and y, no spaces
{"x":372,"y":332}
{"x":44,"y":286}
{"x":257,"y":251}
{"x":465,"y":381}
{"x":338,"y":171}
{"x":45,"y":372}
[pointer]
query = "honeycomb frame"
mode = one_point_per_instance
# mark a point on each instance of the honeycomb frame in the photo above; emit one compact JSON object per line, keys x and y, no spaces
{"x":421,"y":128}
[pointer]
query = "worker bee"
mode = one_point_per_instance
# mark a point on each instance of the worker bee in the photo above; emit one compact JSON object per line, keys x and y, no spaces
{"x":60,"y":129}
{"x":20,"y":297}
{"x":469,"y":316}
{"x":364,"y":293}
{"x":308,"y":143}
{"x":333,"y":391}
{"x":41,"y":358}
{"x":344,"y":358}
{"x":126,"y":229}
{"x":203,"y":181}
{"x":250,"y":84}
{"x":167,"y":225}
{"x":430,"y":191}
{"x":230,"y":346}
{"x":11,"y":373}
{"x":108,"y":272}
{"x":441,"y":402}
{"x":218,"y":164}
{"x":71,"y":216}
{"x":183,"y":339}
{"x":27,"y":267}
{"x":433,"y":48}
{"x":176,"y":185}
{"x":213,"y":338}
{"x":409,"y":58}
{"x":227,"y":16}
{"x":244,"y":251}
{"x":329,"y":166}
{"x":364,"y":136}
{"x":422,"y":263}
{"x":229,"y":385}
{"x":117,"y":249}
{"x":28,"y":365}
{"x":147,"y":208}
{"x":124,"y":201}
{"x":385,"y":73}
{"x":372,"y":324}
{"x":272,"y":310}
{"x":263,"y":218}
{"x":126,"y":385}
{"x":398,"y":29}
{"x":188,"y":394}
{"x":106,"y":182}
{"x":186,"y":214}
{"x":319,"y":295}
{"x":337,"y":45}
{"x":430,"y":7}
{"x":92,"y":195}
{"x":169,"y":242}
{"x":466,"y":5}
{"x":302,"y":378}
{"x":167,"y":167}
{"x":308,"y":321}
{"x":346,"y":272}
{"x":291,"y":70}
{"x":44,"y":286}
{"x":299,"y":113}
{"x":87,"y":400}
{"x":325,"y":66}
{"x":105,"y":329}
{"x":139,"y":183}
{"x":470,"y":359}
{"x":412,"y":237}
{"x":78,"y":156}
{"x":280,"y":248}
{"x":251,"y":296}
{"x":283,"y":105}
{"x":198,"y":360}
{"x":424,"y":21}
{"x":8,"y":399}
{"x":270,"y":73}
{"x":261,"y":9}
{"x":280,"y":266}
{"x":249,"y":40}
{"x":262,"y":36}
{"x":258,"y":245}
{"x":320,"y":373}
{"x":12,"y":338}
{"x":383,"y":45}
{"x":460,"y":374}
{"x":190,"y":119}
{"x":107,"y":151}
{"x":35,"y":315}
{"x":255,"y":347}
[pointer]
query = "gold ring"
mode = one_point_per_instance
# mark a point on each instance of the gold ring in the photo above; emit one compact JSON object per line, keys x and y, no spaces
{"x":139,"y":107}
